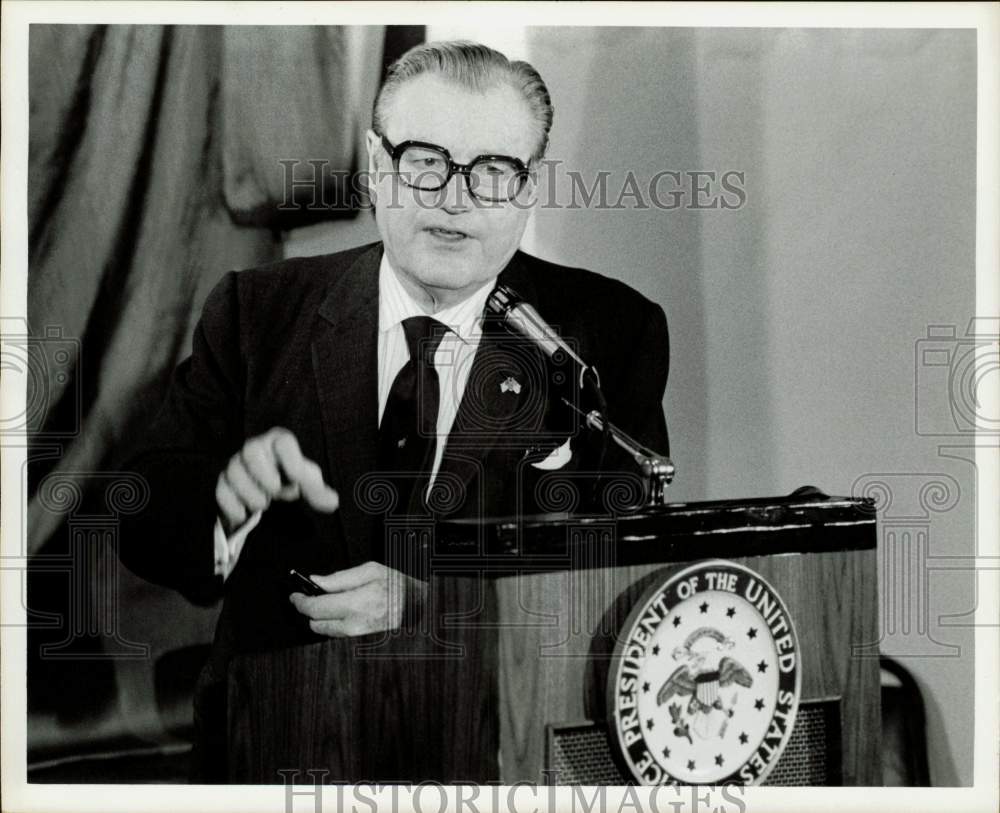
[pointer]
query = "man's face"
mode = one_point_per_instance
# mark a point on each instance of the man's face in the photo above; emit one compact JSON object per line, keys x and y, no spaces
{"x":446,"y":244}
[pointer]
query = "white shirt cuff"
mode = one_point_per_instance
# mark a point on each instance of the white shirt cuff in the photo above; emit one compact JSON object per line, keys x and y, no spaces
{"x":227,"y":550}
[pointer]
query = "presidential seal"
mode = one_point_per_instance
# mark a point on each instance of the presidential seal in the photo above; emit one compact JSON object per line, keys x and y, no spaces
{"x":705,"y":681}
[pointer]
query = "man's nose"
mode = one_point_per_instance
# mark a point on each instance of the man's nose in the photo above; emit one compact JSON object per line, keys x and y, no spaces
{"x":454,"y":195}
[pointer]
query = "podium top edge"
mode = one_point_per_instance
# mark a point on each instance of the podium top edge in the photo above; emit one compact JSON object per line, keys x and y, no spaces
{"x":675,"y":532}
{"x":862,"y":507}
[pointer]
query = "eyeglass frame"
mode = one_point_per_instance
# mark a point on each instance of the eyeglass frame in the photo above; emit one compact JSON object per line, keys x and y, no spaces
{"x":396,"y":151}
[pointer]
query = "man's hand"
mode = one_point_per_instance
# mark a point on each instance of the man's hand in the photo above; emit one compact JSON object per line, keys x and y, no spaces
{"x":359,"y":600}
{"x":269,"y":467}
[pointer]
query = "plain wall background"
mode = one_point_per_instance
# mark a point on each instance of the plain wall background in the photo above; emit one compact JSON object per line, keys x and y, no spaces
{"x":794,"y":320}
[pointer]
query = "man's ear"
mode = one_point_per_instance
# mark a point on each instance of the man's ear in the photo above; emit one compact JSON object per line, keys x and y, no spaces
{"x":374,"y":144}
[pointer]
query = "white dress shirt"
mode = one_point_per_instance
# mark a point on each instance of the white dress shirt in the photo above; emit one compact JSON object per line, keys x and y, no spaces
{"x":453,"y":361}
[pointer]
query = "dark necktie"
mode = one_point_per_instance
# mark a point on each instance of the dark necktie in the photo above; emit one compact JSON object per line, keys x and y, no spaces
{"x":407,"y":435}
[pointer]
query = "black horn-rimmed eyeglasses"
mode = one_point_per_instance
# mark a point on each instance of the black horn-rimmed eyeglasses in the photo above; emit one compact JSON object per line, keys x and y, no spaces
{"x":429,"y":167}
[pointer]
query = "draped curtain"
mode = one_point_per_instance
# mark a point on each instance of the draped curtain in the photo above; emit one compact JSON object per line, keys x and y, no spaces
{"x":155,"y":161}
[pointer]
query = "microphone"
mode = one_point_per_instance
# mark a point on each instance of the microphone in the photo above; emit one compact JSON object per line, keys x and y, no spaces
{"x":521,"y":317}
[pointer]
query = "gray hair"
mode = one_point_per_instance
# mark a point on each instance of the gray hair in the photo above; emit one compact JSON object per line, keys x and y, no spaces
{"x":475,"y":67}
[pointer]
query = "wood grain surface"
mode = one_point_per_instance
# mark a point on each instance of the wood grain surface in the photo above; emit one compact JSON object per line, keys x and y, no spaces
{"x":412,"y":705}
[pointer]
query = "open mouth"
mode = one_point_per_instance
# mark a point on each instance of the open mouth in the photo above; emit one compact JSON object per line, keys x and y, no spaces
{"x":448,"y":235}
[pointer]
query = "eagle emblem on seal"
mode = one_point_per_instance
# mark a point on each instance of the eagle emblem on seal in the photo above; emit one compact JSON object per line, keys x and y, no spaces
{"x":704,"y":670}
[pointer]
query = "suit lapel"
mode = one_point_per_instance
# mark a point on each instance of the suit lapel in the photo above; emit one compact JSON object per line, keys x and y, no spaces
{"x":345,"y":365}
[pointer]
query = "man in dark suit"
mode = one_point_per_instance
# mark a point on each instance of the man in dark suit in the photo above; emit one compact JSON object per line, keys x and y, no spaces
{"x":307,"y":380}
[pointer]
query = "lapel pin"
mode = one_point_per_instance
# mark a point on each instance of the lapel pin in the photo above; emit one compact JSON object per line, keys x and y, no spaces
{"x":510,"y":384}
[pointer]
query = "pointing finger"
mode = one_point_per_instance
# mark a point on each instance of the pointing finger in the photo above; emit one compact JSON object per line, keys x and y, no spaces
{"x":315,"y":491}
{"x":304,"y":473}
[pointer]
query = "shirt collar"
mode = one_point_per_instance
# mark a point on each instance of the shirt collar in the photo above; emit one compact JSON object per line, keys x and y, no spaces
{"x":395,"y":305}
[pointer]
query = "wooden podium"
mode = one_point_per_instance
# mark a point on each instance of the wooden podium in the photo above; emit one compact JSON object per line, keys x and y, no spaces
{"x":503,"y":676}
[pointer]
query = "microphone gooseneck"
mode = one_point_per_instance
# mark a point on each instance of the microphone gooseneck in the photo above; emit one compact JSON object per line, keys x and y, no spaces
{"x":520,"y":317}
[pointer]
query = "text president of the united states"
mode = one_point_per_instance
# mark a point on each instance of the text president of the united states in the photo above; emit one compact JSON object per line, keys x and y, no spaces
{"x":308,"y":376}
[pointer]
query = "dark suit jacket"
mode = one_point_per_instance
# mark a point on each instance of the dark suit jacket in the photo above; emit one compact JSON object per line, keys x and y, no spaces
{"x":294,"y":345}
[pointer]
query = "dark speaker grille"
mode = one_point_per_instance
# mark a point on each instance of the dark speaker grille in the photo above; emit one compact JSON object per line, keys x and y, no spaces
{"x":581,"y":754}
{"x":812,"y":755}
